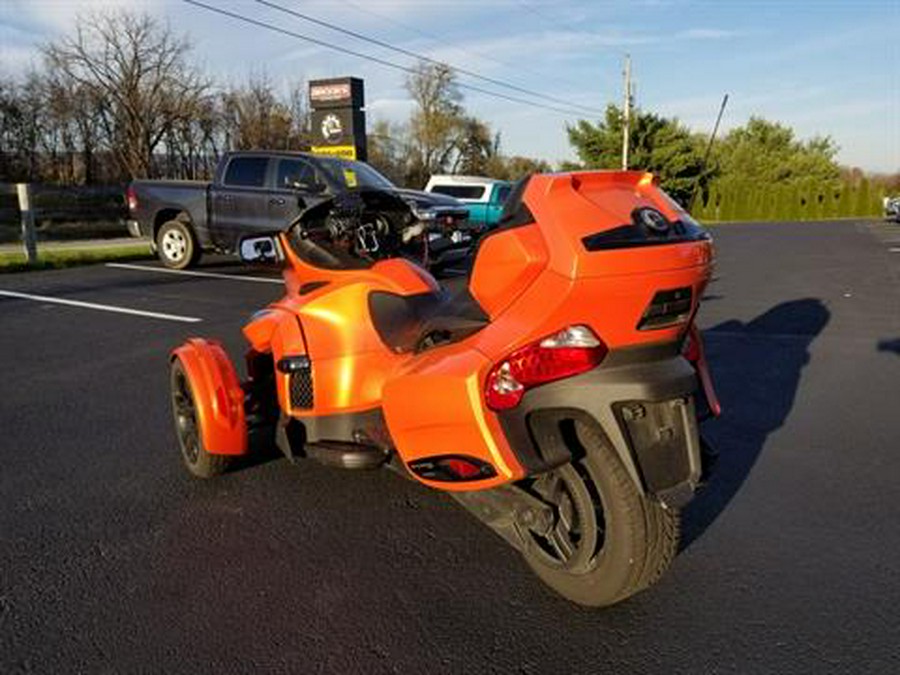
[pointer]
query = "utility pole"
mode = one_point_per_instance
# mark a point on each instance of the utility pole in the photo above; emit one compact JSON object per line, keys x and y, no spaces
{"x":626,"y":127}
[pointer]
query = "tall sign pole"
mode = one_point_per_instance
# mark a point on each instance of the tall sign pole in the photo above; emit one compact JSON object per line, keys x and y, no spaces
{"x":626,"y":126}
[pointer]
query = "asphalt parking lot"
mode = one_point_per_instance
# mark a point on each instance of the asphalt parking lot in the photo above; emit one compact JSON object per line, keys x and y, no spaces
{"x":113,"y":560}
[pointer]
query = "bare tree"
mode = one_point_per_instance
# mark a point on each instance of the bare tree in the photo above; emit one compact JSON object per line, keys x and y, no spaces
{"x":256,"y":117}
{"x":137,"y":70}
{"x":74,"y":123}
{"x":437,"y":121}
{"x":389,"y":150}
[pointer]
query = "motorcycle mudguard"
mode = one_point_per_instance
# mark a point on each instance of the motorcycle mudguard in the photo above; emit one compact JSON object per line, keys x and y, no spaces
{"x":218,"y":396}
{"x":697,"y":356}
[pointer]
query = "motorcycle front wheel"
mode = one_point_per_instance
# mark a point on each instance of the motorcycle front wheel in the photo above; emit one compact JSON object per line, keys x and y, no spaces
{"x":606,"y":541}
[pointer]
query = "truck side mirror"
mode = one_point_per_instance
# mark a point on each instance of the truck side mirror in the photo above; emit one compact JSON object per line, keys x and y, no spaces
{"x":260,"y":250}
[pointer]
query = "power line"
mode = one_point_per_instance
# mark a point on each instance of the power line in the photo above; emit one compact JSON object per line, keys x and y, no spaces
{"x":416,"y":55}
{"x":478,"y":53}
{"x":374,"y":59}
{"x":544,"y":17}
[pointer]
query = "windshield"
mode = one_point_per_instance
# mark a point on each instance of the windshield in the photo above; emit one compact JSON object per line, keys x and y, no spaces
{"x":352,"y":174}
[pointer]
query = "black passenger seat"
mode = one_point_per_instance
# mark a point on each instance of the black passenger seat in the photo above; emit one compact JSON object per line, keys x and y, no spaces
{"x":415,"y":323}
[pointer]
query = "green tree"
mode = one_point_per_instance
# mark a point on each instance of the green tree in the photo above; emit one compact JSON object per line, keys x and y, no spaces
{"x":731,"y":200}
{"x":515,"y":167}
{"x":830,"y":205}
{"x":476,"y":147}
{"x":663,"y":146}
{"x":846,"y":200}
{"x":784,"y":202}
{"x":767,"y":152}
{"x":863,"y":204}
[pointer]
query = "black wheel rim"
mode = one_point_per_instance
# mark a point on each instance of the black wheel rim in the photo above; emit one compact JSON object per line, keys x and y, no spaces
{"x":575,"y":537}
{"x":185,"y":413}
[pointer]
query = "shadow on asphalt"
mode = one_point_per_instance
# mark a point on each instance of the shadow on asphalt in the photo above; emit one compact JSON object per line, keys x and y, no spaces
{"x":890,"y":346}
{"x":757,"y":368}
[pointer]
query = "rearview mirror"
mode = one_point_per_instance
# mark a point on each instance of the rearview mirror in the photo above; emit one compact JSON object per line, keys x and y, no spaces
{"x":311,"y":188}
{"x":260,"y":250}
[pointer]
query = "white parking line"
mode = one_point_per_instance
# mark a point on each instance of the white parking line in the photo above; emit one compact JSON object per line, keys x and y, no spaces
{"x":894,"y":249}
{"x":105,"y":308}
{"x":194,"y":273}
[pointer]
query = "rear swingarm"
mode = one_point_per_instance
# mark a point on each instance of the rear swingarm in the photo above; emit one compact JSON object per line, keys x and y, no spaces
{"x":510,"y":511}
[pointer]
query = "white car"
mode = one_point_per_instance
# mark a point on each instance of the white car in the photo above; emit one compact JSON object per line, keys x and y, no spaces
{"x":483,"y":196}
{"x":892,"y":208}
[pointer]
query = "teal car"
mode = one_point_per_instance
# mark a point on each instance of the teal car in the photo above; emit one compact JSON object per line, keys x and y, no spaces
{"x":484,"y":197}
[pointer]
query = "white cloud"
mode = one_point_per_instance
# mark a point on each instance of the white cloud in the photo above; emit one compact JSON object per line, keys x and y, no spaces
{"x":706,"y":34}
{"x":393,"y":109}
{"x":17,"y":60}
{"x":60,"y":15}
{"x":545,"y":46}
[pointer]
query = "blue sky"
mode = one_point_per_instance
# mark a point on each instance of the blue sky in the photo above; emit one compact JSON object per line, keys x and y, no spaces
{"x":826,"y":67}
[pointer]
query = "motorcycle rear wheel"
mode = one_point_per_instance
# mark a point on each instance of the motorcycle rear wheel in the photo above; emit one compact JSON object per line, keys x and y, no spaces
{"x":607,"y":540}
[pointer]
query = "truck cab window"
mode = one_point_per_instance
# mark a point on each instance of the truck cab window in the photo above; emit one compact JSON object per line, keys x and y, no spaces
{"x":247,"y":172}
{"x":295,"y":173}
{"x":460,"y":191}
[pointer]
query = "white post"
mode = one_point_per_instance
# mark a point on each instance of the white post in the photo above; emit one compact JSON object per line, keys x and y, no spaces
{"x":627,"y":113}
{"x":28,"y":238}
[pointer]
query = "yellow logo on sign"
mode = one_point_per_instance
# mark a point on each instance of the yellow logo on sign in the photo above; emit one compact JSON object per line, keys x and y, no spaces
{"x":342,"y":151}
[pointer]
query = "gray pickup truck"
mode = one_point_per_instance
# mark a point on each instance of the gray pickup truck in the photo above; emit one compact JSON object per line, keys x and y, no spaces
{"x":258,"y":191}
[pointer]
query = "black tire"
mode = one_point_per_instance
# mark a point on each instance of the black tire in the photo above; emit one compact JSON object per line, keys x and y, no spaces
{"x":176,"y":245}
{"x":187,"y":427}
{"x":622,"y":542}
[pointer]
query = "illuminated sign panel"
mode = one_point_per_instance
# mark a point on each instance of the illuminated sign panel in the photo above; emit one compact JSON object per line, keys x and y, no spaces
{"x":338,"y":118}
{"x":342,"y":151}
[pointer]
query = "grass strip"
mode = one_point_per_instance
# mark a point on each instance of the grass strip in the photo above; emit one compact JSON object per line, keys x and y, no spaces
{"x":72,"y":257}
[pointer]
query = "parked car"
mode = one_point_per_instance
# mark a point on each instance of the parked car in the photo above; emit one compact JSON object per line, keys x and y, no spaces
{"x":262,"y":191}
{"x":484,"y":196}
{"x":892,"y":209}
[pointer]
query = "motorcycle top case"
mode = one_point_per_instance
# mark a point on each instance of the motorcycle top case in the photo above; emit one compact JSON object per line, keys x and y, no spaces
{"x":607,"y":250}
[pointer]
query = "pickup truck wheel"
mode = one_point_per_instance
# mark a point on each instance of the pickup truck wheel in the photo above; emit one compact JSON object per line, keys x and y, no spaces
{"x":176,"y":246}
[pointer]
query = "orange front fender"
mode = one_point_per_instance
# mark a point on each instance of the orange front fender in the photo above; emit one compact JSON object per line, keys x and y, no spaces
{"x":218,"y":396}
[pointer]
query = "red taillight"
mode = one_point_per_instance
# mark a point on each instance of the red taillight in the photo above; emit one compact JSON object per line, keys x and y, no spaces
{"x":571,"y":351}
{"x":131,"y":198}
{"x":462,"y":468}
{"x":452,"y":468}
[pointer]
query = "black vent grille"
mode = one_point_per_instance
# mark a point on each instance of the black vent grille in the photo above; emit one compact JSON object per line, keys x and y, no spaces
{"x":667,"y":308}
{"x":301,"y":389}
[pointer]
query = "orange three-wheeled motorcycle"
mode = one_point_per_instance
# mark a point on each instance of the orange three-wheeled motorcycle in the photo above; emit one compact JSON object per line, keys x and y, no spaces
{"x":555,"y":395}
